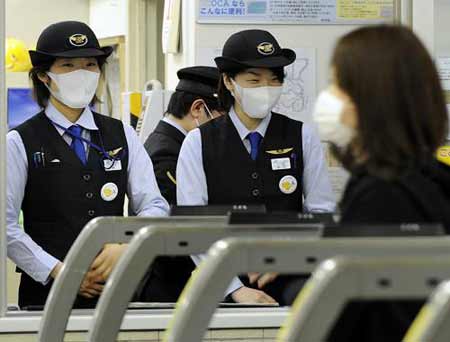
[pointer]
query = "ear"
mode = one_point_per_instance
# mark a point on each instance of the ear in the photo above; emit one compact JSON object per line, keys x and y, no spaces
{"x":227,"y":81}
{"x":43,"y":77}
{"x":196,"y":108}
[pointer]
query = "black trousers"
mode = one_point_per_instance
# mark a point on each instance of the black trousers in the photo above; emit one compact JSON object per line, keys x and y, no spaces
{"x":284,"y":289}
{"x":32,"y":295}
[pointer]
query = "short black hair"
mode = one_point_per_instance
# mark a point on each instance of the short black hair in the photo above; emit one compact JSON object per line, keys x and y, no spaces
{"x":226,"y":100}
{"x":40,"y":92}
{"x":181,"y":101}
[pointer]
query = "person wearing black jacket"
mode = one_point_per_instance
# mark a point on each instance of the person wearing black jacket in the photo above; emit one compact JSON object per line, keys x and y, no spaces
{"x":385,"y":117}
{"x":193,"y":103}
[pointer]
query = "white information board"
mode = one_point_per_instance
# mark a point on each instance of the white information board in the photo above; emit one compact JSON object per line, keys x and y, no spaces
{"x":443,"y":64}
{"x":296,"y":11}
{"x":299,"y":89}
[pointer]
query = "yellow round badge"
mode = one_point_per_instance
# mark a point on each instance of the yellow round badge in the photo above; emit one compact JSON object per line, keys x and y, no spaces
{"x":109,"y":192}
{"x":443,"y":154}
{"x":288,"y":184}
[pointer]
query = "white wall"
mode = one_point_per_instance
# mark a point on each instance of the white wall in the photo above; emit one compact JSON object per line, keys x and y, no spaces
{"x":25,"y":20}
{"x":194,"y":36}
{"x":108,"y":18}
{"x":442,"y":27}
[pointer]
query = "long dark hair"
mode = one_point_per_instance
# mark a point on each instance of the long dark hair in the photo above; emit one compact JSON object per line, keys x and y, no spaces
{"x":40,"y":92}
{"x":392,"y":80}
{"x":226,"y":100}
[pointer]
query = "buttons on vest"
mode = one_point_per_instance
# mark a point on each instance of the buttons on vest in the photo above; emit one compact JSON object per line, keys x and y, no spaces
{"x":255,"y":175}
{"x":255,"y":192}
{"x":89,"y":195}
{"x":87,"y":177}
{"x":91,"y":213}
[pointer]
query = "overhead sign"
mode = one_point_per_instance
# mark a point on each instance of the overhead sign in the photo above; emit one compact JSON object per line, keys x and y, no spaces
{"x":296,"y":11}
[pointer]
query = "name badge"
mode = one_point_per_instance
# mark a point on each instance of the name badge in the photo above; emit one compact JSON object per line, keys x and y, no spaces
{"x":112,"y":165}
{"x":281,"y":163}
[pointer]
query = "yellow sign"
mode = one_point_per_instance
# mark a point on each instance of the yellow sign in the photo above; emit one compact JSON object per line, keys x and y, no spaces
{"x":136,"y":104}
{"x":364,"y":10}
{"x":443,"y":154}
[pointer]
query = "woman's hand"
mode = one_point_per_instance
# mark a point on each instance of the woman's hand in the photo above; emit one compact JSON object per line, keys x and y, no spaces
{"x":251,"y":296}
{"x":262,"y":279}
{"x":55,"y":271}
{"x":104,"y":263}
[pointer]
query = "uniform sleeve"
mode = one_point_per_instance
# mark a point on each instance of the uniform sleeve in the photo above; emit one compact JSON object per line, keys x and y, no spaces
{"x":165,"y":166}
{"x":191,"y":178}
{"x":317,"y":190}
{"x":22,"y":250}
{"x":142,"y":189}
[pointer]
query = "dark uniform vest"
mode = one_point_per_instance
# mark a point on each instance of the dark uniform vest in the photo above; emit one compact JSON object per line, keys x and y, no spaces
{"x":233,"y":177}
{"x":63,"y":195}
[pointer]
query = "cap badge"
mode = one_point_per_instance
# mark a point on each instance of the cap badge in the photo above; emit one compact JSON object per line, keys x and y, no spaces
{"x":78,"y":39}
{"x":266,"y":49}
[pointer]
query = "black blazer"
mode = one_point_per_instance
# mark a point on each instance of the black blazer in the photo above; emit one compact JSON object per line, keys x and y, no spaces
{"x":163,"y":146}
{"x":420,"y":195}
{"x":168,"y":275}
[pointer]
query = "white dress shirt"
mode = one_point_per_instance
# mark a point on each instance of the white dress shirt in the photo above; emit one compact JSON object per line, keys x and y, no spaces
{"x":191,"y":179}
{"x":142,"y":190}
{"x":172,"y":123}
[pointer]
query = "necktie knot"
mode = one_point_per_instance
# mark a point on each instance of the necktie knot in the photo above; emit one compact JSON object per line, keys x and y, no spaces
{"x":77,"y":144}
{"x":75,"y":129}
{"x":255,"y":140}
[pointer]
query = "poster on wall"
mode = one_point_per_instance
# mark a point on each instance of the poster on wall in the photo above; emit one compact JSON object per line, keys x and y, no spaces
{"x":299,"y":89}
{"x":295,"y":11}
{"x":20,"y":106}
{"x":443,"y":65}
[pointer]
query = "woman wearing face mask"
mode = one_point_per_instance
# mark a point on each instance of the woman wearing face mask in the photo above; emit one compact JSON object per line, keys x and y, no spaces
{"x":68,"y":164}
{"x":254,"y":156}
{"x":385,"y":115}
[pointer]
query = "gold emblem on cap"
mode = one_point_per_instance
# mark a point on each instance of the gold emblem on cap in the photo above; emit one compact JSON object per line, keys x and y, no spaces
{"x":266,"y":48}
{"x":78,"y":39}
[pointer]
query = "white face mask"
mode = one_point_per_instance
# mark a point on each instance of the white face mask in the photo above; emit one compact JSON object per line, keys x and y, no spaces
{"x":257,"y":102}
{"x":327,"y":114}
{"x":76,"y":89}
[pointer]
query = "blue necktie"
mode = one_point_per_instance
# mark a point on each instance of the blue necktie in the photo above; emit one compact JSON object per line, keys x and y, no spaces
{"x":77,"y":143}
{"x":255,"y":140}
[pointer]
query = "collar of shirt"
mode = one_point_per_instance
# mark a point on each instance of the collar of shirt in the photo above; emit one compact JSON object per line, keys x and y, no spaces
{"x":244,"y":131}
{"x":86,"y":119}
{"x":174,"y":124}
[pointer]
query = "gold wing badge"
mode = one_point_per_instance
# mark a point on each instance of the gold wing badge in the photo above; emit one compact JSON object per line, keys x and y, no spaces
{"x":115,"y":152}
{"x":172,"y":178}
{"x":280,"y":151}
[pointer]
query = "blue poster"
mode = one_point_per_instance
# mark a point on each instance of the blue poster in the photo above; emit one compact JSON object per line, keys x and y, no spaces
{"x":21,"y":106}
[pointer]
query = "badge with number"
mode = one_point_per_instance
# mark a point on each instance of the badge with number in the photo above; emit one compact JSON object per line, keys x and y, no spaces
{"x":281,"y":163}
{"x":288,"y":184}
{"x":109,"y":192}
